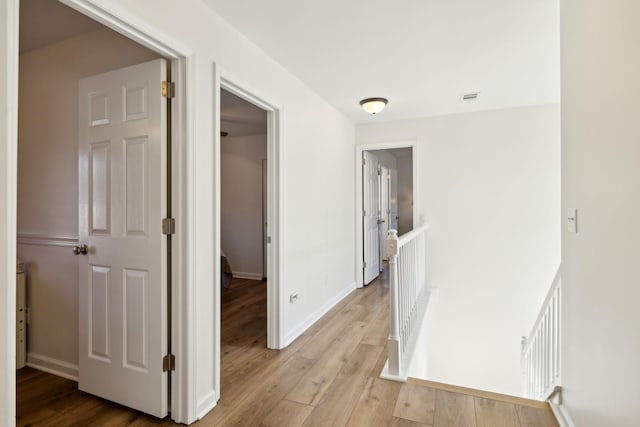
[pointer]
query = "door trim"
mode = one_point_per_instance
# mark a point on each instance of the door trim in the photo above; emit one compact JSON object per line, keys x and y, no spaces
{"x":359,"y":148}
{"x":275,"y":314}
{"x":9,"y":20}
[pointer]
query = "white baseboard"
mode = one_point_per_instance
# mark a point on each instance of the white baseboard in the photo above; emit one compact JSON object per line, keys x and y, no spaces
{"x":316,"y":315}
{"x":206,"y":404}
{"x":560,"y":411}
{"x":53,"y":366}
{"x":250,"y":276}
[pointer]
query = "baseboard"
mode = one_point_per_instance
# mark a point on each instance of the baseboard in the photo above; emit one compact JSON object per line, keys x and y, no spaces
{"x":53,"y":366}
{"x":316,"y":315}
{"x":206,"y":404}
{"x":250,"y":276}
{"x":562,"y":416}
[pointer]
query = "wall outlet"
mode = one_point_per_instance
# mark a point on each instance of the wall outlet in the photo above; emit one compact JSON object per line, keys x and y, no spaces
{"x":293,"y":297}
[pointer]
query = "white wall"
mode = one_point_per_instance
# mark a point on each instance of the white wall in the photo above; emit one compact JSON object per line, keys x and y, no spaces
{"x":489,"y":185}
{"x":601,"y":178}
{"x":317,"y":181}
{"x":241,"y":203}
{"x":48,"y":182}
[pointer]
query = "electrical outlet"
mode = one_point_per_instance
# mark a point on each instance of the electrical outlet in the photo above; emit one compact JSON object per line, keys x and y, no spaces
{"x":293,"y":297}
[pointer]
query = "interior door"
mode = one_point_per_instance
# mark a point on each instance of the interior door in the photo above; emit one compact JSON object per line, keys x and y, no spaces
{"x":384,"y":211}
{"x":122,"y":199}
{"x":393,"y":199}
{"x":370,"y":217}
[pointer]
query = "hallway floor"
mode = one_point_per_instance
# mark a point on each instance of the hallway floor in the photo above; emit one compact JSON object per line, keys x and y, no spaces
{"x":327,"y":377}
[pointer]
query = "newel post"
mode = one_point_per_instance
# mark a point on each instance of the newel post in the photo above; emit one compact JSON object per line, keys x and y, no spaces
{"x":393,"y":344}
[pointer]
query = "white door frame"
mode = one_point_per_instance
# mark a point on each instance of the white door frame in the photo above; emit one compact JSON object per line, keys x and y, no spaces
{"x":183,"y":405}
{"x":358,"y":190}
{"x":275,"y":303}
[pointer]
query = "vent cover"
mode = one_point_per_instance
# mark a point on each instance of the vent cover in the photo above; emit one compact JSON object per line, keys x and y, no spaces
{"x":471,"y":96}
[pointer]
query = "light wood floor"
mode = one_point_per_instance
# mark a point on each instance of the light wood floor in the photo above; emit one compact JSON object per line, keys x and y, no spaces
{"x":327,"y":377}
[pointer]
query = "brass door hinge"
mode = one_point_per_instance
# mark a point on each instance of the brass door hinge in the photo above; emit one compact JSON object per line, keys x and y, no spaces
{"x":168,"y":363}
{"x":168,"y":226}
{"x":168,"y":89}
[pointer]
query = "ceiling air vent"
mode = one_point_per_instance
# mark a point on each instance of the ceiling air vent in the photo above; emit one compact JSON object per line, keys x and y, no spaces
{"x":471,"y":96}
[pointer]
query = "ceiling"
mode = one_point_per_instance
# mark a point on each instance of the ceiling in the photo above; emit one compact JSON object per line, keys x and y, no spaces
{"x":422,"y":55}
{"x":44,"y":22}
{"x":239,"y":117}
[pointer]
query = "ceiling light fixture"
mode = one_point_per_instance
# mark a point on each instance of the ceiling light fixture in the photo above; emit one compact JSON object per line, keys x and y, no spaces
{"x":373,"y":105}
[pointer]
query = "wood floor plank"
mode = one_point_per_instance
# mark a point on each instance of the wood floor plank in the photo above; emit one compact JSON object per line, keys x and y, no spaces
{"x":287,"y":414}
{"x":454,"y":410}
{"x":315,"y":383}
{"x":378,"y":331}
{"x":376,"y":404}
{"x":338,"y":403}
{"x":416,"y":403}
{"x":256,"y":402}
{"x":479,"y":393}
{"x":334,"y":329}
{"x":493,"y":413}
{"x":536,"y":417}
{"x":401,"y":422}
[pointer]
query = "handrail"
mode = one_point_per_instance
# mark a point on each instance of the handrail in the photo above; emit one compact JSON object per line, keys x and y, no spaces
{"x":406,"y":237}
{"x":408,"y":296}
{"x":541,"y":350}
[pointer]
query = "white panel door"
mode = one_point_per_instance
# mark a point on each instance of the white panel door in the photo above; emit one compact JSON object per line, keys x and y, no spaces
{"x":122,"y":197}
{"x":393,"y":199}
{"x":384,"y":211}
{"x":370,"y":233}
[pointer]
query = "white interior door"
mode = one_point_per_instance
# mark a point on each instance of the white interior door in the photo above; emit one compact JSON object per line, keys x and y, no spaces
{"x":393,"y":199}
{"x":370,"y":214}
{"x":383,"y":219}
{"x":122,"y":198}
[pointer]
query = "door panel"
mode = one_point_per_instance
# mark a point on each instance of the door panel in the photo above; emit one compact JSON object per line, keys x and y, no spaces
{"x":393,"y":199}
{"x":384,"y":211}
{"x":370,"y":233}
{"x":122,"y":199}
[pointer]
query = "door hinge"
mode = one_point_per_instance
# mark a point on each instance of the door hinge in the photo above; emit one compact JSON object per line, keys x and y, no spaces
{"x":168,"y":89}
{"x":364,"y":162}
{"x":168,"y":226}
{"x":364,"y":264}
{"x":168,"y":363}
{"x":364,"y":212}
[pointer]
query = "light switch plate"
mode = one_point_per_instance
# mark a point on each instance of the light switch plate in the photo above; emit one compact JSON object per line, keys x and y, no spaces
{"x":572,"y":220}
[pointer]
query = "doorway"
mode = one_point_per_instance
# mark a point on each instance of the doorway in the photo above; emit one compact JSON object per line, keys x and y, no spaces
{"x":271,"y":227}
{"x":243,"y":159}
{"x":385,"y":199}
{"x":49,"y":200}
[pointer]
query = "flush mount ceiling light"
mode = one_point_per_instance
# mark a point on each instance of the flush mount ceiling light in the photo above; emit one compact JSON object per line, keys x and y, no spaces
{"x":373,"y":105}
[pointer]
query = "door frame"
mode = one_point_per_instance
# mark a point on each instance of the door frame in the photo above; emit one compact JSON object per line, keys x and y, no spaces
{"x":359,"y":149}
{"x":275,"y":303}
{"x":182,"y":69}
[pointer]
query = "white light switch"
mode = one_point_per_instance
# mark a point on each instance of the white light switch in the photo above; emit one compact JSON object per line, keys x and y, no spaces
{"x":572,"y":220}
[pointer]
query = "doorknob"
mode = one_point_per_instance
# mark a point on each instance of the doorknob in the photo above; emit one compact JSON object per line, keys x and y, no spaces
{"x":82,"y":249}
{"x":380,"y":221}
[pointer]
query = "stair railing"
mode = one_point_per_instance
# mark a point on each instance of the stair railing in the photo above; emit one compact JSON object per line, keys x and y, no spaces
{"x":541,"y":350}
{"x":408,"y":296}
